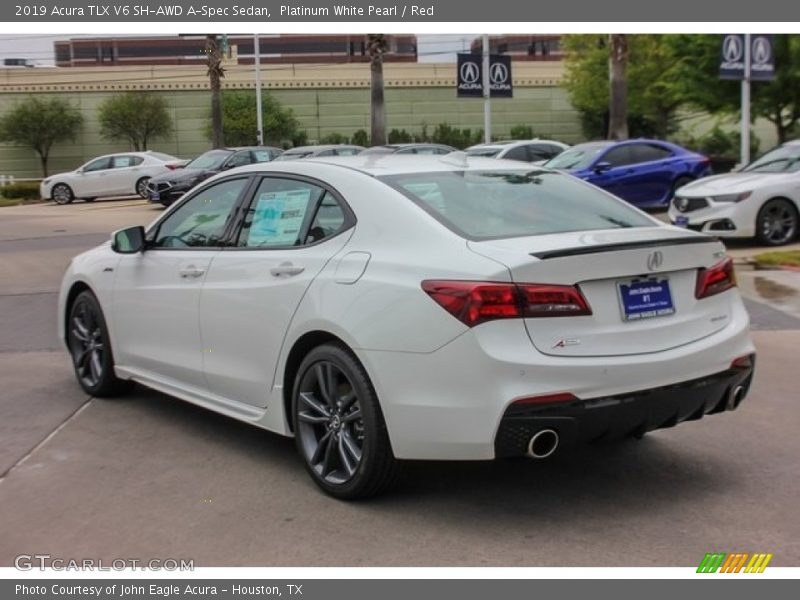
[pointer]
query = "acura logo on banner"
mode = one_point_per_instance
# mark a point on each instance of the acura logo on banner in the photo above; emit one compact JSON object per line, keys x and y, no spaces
{"x":762,"y":57}
{"x":470,"y":76}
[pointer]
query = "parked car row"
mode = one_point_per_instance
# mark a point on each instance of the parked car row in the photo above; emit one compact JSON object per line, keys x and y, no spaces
{"x":163,"y":178}
{"x":762,"y":200}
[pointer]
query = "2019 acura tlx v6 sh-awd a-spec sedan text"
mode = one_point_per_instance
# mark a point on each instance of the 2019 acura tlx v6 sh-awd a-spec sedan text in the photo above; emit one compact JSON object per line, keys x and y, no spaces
{"x":386,"y":308}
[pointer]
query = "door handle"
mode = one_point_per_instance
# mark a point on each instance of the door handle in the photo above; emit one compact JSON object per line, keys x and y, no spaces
{"x":191,"y":272}
{"x":286,"y":270}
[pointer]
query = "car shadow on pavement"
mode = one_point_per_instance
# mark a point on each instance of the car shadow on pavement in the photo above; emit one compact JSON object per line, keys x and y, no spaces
{"x":631,"y":476}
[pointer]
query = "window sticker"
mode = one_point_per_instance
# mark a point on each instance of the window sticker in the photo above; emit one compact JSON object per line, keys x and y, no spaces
{"x":278,"y":218}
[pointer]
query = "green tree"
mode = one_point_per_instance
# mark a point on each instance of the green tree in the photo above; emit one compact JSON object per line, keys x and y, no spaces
{"x":215,"y":73}
{"x":39,"y":123}
{"x":377,"y":45}
{"x":334,"y":138}
{"x":360,"y":138}
{"x":777,"y":101}
{"x":522,"y":132}
{"x":618,"y":89}
{"x":239,"y":120}
{"x":653,"y":93}
{"x":136,"y":117}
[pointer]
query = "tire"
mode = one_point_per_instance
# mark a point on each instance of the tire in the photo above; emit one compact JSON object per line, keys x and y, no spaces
{"x":777,"y":222}
{"x":141,"y":187}
{"x":90,"y":349}
{"x":341,"y":436}
{"x":61,"y":193}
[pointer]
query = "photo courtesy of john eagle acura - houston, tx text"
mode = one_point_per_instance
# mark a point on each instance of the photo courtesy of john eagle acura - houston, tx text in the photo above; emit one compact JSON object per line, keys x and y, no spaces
{"x":384,"y":308}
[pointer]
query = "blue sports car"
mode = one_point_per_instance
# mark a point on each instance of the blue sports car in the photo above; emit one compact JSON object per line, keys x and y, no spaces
{"x":645,"y":173}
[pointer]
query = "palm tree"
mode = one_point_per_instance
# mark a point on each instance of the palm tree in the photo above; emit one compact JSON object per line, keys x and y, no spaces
{"x":215,"y":73}
{"x":618,"y":101}
{"x":377,"y":46}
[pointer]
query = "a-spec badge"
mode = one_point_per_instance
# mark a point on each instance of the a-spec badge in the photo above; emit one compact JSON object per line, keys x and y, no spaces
{"x":567,"y":342}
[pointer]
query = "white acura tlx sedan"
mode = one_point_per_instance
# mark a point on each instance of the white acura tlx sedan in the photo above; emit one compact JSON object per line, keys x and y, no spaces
{"x":386,"y":308}
{"x":762,"y":200}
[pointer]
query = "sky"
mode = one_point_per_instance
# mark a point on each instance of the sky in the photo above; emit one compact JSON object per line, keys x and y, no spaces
{"x":39,"y":48}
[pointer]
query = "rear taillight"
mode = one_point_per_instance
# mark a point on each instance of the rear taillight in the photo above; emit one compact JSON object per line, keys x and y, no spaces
{"x":715,"y":280}
{"x":553,"y":301}
{"x":474,"y":302}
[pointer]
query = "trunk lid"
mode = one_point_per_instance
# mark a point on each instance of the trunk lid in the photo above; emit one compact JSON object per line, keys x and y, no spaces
{"x":643,"y":260}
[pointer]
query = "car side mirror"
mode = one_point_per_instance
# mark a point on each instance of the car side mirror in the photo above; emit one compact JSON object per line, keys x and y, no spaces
{"x":602,"y":167}
{"x":128,"y":241}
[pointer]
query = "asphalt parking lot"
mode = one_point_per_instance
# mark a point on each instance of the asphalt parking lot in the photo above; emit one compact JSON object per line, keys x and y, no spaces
{"x":148,"y":476}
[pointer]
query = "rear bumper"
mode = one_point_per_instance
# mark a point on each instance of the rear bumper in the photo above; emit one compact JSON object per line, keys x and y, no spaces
{"x":449,"y":404}
{"x":624,"y":415}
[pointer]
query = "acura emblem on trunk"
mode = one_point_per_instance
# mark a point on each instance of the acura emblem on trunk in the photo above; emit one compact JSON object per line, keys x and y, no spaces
{"x":654,"y":260}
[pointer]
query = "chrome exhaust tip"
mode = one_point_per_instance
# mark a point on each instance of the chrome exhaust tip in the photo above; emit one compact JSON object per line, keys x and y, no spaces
{"x":736,"y":397}
{"x":543,"y":443}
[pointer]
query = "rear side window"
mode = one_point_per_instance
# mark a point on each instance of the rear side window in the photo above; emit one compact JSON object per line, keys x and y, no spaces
{"x":648,"y":153}
{"x":518,"y":153}
{"x":261,"y":156}
{"x":120,"y":162}
{"x":541,"y":151}
{"x":346,"y":151}
{"x":619,"y":156}
{"x":287,"y":212}
{"x":483,"y":205}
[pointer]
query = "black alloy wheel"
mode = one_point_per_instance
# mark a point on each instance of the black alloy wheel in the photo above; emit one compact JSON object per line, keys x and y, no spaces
{"x":339,"y":428}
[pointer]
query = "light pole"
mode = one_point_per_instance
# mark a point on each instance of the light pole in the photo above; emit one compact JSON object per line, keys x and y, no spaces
{"x":259,"y":115}
{"x":744,"y":153}
{"x":487,"y":93}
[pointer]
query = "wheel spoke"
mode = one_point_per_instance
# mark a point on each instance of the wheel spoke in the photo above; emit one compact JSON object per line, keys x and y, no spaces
{"x":349,"y":466}
{"x":326,"y":379}
{"x":352,"y":416}
{"x":80,"y":331}
{"x":82,"y":362}
{"x":307,"y":417}
{"x":327,"y":464}
{"x":350,"y":445}
{"x":308,"y":399}
{"x":322,"y":382}
{"x":95,"y":368}
{"x":321,"y":448}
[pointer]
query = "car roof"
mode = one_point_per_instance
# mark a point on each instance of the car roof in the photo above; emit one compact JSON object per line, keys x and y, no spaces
{"x":377,"y":165}
{"x":502,"y":144}
{"x":320,"y":148}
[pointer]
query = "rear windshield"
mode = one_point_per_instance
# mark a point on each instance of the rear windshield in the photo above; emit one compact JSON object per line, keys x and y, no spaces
{"x":488,"y":152}
{"x":785,"y":159}
{"x":293,"y":155}
{"x":482,"y":205}
{"x":211,"y":160}
{"x":577,"y":157}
